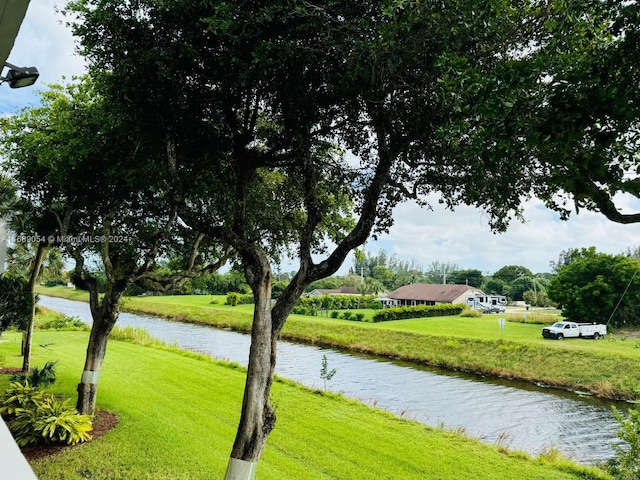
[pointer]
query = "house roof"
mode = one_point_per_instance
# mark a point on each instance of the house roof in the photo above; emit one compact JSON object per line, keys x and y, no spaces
{"x":337,"y":291}
{"x":432,"y":292}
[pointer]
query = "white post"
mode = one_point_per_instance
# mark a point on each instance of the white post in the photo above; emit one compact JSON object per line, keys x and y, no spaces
{"x":240,"y":470}
{"x":3,"y":244}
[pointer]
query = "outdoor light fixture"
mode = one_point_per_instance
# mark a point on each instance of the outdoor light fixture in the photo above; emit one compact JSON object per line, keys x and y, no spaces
{"x":19,"y":77}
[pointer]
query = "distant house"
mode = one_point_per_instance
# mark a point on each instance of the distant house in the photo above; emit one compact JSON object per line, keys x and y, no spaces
{"x":431,"y":294}
{"x":387,"y":302}
{"x":320,"y":292}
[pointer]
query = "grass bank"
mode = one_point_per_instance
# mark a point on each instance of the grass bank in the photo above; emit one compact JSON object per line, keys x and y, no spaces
{"x":606,"y":368}
{"x":179,"y":412}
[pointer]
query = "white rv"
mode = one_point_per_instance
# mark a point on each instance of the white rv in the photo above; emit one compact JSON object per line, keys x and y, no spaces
{"x":487,"y":303}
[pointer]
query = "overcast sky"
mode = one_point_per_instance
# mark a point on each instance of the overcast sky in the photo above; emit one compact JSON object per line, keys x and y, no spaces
{"x":462,"y":237}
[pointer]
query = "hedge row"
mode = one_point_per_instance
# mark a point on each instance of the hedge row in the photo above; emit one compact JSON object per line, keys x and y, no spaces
{"x":236,"y":298}
{"x":340,"y":302}
{"x":419,"y":311}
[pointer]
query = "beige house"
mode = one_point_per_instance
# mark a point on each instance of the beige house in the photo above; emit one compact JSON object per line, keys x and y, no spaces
{"x":431,"y":294}
{"x":319,"y":292}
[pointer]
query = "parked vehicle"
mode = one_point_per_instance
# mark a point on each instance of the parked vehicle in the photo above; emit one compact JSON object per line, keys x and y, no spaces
{"x":487,"y":303}
{"x":560,"y":330}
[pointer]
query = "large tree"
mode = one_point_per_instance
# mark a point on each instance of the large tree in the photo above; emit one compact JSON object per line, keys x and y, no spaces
{"x":586,"y":127}
{"x":296,"y":126}
{"x":100,"y":196}
{"x":597,"y":287}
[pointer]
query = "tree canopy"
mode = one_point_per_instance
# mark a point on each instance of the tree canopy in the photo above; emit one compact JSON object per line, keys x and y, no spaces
{"x":598,"y":287}
{"x":295,"y":127}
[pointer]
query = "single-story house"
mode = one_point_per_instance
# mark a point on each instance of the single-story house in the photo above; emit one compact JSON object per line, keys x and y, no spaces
{"x":432,"y":294}
{"x":320,"y":292}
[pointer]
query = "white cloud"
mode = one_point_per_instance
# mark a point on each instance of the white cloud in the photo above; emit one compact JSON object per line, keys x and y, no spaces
{"x":463,"y":237}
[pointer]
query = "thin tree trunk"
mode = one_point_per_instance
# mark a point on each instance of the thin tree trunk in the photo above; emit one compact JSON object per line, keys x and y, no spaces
{"x":104,"y":319}
{"x":27,"y":336}
{"x":257,"y":418}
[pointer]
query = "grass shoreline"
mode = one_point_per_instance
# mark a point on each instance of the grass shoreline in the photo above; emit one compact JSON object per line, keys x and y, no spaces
{"x":172,"y":402}
{"x":606,"y":370}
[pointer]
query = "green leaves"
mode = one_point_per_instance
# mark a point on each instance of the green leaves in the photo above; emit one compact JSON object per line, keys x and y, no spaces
{"x":34,"y":417}
{"x":15,"y":301}
{"x":598,"y":287}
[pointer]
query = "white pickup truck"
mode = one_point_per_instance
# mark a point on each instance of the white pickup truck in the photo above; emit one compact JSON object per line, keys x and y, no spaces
{"x":560,"y":330}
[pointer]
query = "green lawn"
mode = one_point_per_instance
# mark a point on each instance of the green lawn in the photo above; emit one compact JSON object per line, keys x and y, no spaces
{"x":607,"y":368}
{"x":179,"y":411}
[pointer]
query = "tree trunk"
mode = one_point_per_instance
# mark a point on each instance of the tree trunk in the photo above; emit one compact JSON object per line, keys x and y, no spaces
{"x":257,"y":418}
{"x":27,"y":336}
{"x":104,"y":319}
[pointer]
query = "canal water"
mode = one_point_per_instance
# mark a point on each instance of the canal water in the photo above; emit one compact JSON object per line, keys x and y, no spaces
{"x":514,"y":414}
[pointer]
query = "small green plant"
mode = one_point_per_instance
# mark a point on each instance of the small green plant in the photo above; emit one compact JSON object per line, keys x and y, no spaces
{"x":58,"y":422}
{"x":49,"y":422}
{"x":335,"y":314}
{"x":36,"y":417}
{"x":233,"y":298}
{"x":347,"y":315}
{"x":359,"y":317}
{"x":213,"y":301}
{"x":38,"y":377}
{"x":64,"y":322}
{"x":325,"y":373}
{"x":626,"y":464}
{"x":19,"y":396}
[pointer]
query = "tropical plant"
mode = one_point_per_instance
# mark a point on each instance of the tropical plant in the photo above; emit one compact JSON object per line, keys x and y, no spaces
{"x":50,"y":421}
{"x":626,"y":463}
{"x":38,"y":377}
{"x":18,"y":396}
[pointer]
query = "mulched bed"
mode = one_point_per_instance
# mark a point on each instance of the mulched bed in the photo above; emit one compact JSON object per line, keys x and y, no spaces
{"x":9,"y":370}
{"x":102,"y":423}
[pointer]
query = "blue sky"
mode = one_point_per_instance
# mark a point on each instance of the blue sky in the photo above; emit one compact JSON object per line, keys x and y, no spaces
{"x":462,"y":237}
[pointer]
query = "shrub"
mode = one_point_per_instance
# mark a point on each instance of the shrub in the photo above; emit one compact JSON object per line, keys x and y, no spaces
{"x":347,"y":315}
{"x":246,"y":299}
{"x":61,"y":322}
{"x":376,"y":305}
{"x":359,"y":317}
{"x":471,"y":313}
{"x":19,"y":396}
{"x":36,"y":417}
{"x":626,"y":464}
{"x":50,"y":421}
{"x":233,"y":298}
{"x":38,"y":377}
{"x":419,"y":311}
{"x":300,"y":310}
{"x":335,"y":314}
{"x":213,"y":301}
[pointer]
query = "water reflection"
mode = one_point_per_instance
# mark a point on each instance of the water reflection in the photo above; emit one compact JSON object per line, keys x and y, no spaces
{"x":527,"y":419}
